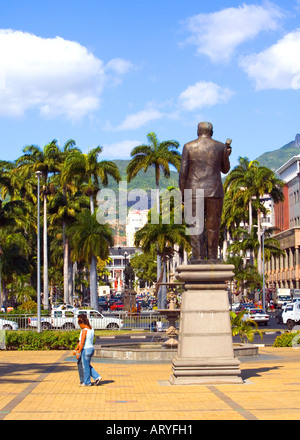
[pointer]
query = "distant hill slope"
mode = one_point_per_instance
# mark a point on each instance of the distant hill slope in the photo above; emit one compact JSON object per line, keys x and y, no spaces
{"x":272,"y":159}
{"x":143,"y":180}
{"x":275,"y":159}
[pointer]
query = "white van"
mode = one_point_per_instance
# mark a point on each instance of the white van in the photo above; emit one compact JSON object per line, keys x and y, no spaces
{"x":291,"y":314}
{"x":281,"y":296}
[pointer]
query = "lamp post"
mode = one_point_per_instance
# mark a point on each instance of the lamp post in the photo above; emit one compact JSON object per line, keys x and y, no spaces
{"x":262,"y":236}
{"x":264,"y":289}
{"x":38,"y":175}
{"x":126,"y":254}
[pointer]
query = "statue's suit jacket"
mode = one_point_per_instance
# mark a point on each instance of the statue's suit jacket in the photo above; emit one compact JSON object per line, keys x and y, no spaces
{"x":202,"y":162}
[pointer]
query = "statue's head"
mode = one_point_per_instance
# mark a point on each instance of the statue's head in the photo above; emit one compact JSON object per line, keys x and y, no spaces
{"x":205,"y":129}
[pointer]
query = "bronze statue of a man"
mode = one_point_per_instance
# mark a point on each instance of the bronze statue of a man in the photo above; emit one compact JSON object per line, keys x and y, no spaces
{"x":202,"y":162}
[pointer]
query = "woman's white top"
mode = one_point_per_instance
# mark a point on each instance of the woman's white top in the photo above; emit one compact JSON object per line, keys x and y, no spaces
{"x":89,"y":339}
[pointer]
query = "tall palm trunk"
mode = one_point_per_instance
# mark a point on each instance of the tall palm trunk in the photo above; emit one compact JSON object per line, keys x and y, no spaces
{"x":66,"y":266}
{"x":70,"y":280}
{"x":45,"y":261}
{"x":259,"y":262}
{"x":159,"y":275}
{"x":93,"y":284}
{"x":92,"y":205}
{"x":250,"y":230}
{"x":93,"y":271}
{"x":1,"y":291}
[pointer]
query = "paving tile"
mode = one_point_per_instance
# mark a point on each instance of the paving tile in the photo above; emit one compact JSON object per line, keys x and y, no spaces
{"x":44,"y":386}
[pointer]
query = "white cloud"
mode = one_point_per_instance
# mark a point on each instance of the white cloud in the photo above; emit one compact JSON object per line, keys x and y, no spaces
{"x":139,"y":119}
{"x":204,"y":94}
{"x":278,"y":67}
{"x":218,"y":34}
{"x":56,"y":76}
{"x":195,"y":97}
{"x":120,"y":150}
{"x":119,"y":66}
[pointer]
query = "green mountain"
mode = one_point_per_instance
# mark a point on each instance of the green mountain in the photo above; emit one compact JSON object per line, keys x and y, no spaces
{"x":143,"y":180}
{"x":275,"y":159}
{"x":146,"y":180}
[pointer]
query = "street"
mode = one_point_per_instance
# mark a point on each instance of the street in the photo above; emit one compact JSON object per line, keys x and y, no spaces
{"x":270,"y":332}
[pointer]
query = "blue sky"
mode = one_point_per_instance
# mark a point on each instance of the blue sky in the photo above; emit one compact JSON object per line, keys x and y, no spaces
{"x":107,"y":72}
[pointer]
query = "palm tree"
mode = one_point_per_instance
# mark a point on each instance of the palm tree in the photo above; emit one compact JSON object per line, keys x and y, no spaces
{"x":15,"y":225}
{"x":89,"y":240}
{"x":21,"y":289}
{"x":63,"y":209}
{"x":157,"y":154}
{"x":14,"y":255}
{"x":246,"y":277}
{"x":166,"y":236}
{"x":90,"y":172}
{"x":240,"y":182}
{"x":233,"y":215}
{"x":245,"y":328}
{"x":46,"y":160}
{"x":265,"y":182}
{"x":246,"y":184}
{"x":245,"y":241}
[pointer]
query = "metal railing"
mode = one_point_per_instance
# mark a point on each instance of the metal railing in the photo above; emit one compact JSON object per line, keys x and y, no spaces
{"x":110,"y":321}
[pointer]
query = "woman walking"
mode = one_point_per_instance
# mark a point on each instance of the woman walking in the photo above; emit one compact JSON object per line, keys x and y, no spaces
{"x":85,"y":349}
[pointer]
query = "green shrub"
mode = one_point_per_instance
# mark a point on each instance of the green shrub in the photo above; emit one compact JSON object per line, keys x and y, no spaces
{"x":285,"y":339}
{"x":27,"y":307}
{"x":46,"y":340}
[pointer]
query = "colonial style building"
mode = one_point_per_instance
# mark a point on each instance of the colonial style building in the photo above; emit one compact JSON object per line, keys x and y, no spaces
{"x":284,"y":271}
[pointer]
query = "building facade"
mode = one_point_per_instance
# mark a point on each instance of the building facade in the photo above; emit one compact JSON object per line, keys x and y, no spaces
{"x":135,"y":220}
{"x":284,"y":271}
{"x":119,"y":257}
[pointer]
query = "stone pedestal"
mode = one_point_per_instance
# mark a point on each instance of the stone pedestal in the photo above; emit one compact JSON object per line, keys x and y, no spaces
{"x":129,"y":299}
{"x":205,"y":349}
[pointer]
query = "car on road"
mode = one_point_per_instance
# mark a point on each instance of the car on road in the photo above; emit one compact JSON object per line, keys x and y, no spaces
{"x":291,"y":314}
{"x":99,"y":321}
{"x":64,"y":320}
{"x":241,"y":306}
{"x":67,"y":307}
{"x":103,"y":303}
{"x":257,"y":315}
{"x":116,"y":306}
{"x":6,"y":324}
{"x":235,"y":306}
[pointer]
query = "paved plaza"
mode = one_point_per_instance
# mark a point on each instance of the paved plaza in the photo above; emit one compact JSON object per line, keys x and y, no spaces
{"x":44,"y":386}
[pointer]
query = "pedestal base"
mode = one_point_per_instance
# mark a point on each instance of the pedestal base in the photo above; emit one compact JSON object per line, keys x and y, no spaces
{"x":205,"y":349}
{"x":129,"y":299}
{"x":205,"y":371}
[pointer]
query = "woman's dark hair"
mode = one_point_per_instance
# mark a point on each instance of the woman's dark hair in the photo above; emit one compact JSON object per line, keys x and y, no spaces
{"x":83,"y":319}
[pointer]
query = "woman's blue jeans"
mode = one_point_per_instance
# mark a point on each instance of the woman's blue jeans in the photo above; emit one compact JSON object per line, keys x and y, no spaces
{"x":80,"y":368}
{"x":89,"y":371}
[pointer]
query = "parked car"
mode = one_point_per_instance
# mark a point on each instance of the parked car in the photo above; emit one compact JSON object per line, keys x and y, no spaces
{"x":103,"y":303}
{"x":116,"y":306}
{"x":257,"y":315}
{"x":65,"y":320}
{"x":98,"y":321}
{"x":291,"y":314}
{"x":67,"y":307}
{"x":59,"y":319}
{"x":235,"y":306}
{"x":243,"y":306}
{"x":6,"y":324}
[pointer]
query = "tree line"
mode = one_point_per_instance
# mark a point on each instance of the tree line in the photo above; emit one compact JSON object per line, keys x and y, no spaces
{"x":72,"y":238}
